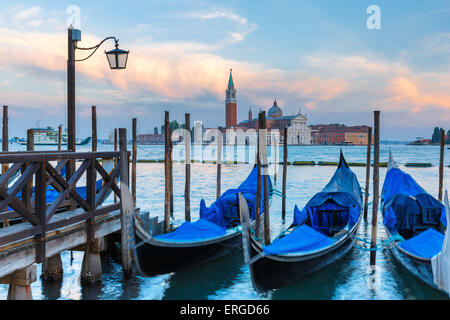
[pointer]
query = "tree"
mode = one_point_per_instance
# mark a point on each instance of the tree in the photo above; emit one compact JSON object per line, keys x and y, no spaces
{"x":436,"y":138}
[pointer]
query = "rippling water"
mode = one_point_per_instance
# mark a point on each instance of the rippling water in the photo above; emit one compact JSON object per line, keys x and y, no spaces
{"x":229,"y":278}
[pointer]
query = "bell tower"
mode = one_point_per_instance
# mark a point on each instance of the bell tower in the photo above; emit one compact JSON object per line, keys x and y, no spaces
{"x":230,"y":103}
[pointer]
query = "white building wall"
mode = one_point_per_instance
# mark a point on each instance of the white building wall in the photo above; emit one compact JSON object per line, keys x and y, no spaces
{"x":299,"y":133}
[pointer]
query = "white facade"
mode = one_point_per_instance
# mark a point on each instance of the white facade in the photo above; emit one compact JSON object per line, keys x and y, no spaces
{"x":299,"y":133}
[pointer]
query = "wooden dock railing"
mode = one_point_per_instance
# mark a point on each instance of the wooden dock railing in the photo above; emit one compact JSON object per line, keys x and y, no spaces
{"x":21,"y":200}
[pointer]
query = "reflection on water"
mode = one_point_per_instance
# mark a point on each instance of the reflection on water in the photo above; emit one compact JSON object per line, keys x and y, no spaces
{"x":228,"y":277}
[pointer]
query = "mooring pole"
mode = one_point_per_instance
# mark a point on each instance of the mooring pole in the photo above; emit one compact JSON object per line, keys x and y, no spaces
{"x":115,"y":159}
{"x":285,"y":157}
{"x":187,"y":153}
{"x":5,"y":136}
{"x":59,"y":137}
{"x":274,"y":146}
{"x":441,"y":165}
{"x":171,"y":172}
{"x":258,"y":183}
{"x":265,"y":174}
{"x":376,"y":181}
{"x":124,"y":217}
{"x":94,"y":129}
{"x":166,"y":173}
{"x":219,"y":165}
{"x":133,"y":162}
{"x":71,"y":134}
{"x":369,"y":151}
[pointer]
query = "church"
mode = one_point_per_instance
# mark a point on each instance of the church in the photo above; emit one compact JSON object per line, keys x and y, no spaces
{"x":299,"y":133}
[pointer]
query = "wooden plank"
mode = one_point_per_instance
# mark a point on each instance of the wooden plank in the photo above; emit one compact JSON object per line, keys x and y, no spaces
{"x":21,"y":257}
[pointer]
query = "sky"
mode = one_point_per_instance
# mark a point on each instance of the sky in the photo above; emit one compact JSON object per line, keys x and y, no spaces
{"x":316,"y":56}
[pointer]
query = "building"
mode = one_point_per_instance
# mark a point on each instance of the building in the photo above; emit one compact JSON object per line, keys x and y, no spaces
{"x":335,"y":134}
{"x":150,"y":138}
{"x":230,"y":104}
{"x":298,"y":131}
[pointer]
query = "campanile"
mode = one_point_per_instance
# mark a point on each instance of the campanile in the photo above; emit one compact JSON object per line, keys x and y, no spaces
{"x":230,"y":103}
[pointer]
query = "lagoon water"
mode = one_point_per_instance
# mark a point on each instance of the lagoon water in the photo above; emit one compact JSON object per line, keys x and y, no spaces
{"x":229,"y":278}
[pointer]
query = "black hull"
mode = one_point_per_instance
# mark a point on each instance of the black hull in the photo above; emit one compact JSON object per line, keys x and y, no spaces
{"x":268,"y":273}
{"x":152,"y":259}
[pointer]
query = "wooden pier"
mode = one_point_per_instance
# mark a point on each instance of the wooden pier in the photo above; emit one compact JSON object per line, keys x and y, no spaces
{"x":42,"y":226}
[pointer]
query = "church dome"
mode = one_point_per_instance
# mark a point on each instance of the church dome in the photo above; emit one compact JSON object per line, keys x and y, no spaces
{"x":275,"y":111}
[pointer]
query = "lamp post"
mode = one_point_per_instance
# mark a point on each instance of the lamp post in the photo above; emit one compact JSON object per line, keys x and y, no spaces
{"x":117,"y":60}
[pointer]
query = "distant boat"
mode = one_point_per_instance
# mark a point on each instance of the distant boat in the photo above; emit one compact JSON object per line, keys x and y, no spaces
{"x":49,"y":137}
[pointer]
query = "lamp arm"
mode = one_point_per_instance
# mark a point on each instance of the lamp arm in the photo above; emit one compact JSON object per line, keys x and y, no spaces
{"x":95,"y":48}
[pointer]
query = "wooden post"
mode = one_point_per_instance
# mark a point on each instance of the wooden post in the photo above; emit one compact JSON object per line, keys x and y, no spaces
{"x":94,"y":128}
{"x":265,"y":174}
{"x":369,"y":151}
{"x":258,"y":183}
{"x":30,"y":140}
{"x":5,"y":136}
{"x":19,"y":283}
{"x":133,"y":163}
{"x":285,"y":156}
{"x":115,"y":160}
{"x":171,"y":172}
{"x":187,"y":151}
{"x":124,"y":183}
{"x":59,"y":137}
{"x":376,"y":181}
{"x":441,"y":165}
{"x":166,"y":173}
{"x":275,"y":157}
{"x":219,"y":166}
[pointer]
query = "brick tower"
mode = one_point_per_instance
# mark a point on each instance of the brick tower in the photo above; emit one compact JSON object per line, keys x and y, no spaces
{"x":230,"y":103}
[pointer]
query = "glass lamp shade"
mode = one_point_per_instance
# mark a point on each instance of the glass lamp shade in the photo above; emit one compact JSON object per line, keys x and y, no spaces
{"x":117,"y":58}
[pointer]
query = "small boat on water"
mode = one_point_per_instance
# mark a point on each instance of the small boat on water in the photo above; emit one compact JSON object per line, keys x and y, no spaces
{"x":320,"y":234}
{"x":216,"y":234}
{"x":49,"y":137}
{"x":417,"y":218}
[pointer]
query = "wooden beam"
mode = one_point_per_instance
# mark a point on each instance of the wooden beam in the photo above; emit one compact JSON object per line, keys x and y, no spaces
{"x":94,"y":128}
{"x":166,"y":173}
{"x":133,"y":162}
{"x":285,"y":157}
{"x":5,"y":139}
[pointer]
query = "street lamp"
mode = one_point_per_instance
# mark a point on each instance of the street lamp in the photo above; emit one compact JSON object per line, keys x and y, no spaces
{"x":117,"y":60}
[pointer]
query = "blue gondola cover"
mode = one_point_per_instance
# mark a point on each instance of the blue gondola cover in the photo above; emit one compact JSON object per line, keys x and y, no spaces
{"x":224,"y":210}
{"x":343,"y":193}
{"x":426,"y":244}
{"x":302,"y":239}
{"x":199,"y":230}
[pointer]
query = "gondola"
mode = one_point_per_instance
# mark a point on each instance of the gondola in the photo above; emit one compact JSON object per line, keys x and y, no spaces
{"x":320,"y":234}
{"x":416,"y":218}
{"x":216,"y":234}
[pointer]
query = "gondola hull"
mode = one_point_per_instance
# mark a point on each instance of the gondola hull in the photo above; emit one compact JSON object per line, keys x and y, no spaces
{"x":273,"y":272}
{"x":154,"y":258}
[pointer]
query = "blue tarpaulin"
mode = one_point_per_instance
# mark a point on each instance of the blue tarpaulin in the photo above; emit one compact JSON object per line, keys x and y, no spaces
{"x":426,"y":244}
{"x":343,"y":193}
{"x":402,"y":196}
{"x":199,"y":230}
{"x":224,"y":210}
{"x":302,"y":239}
